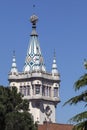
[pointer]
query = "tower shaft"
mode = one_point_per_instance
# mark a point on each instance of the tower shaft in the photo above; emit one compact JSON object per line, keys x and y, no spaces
{"x":35,"y":83}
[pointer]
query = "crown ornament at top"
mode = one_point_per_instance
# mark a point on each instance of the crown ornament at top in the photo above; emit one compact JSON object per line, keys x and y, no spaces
{"x":33,"y":19}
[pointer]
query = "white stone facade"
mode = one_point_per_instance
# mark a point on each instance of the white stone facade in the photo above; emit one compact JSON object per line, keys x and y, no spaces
{"x":41,"y":89}
{"x":35,"y":83}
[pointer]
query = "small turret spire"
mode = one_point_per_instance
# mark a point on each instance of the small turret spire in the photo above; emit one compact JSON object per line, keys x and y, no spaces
{"x":14,"y":66}
{"x":54,"y":65}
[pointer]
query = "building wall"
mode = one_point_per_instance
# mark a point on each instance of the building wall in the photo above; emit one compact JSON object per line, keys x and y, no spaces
{"x":42,"y":91}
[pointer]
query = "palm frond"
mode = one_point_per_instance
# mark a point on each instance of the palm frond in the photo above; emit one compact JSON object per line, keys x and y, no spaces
{"x":80,"y":120}
{"x":81,"y":117}
{"x":82,"y":82}
{"x":80,"y":126}
{"x":76,"y":99}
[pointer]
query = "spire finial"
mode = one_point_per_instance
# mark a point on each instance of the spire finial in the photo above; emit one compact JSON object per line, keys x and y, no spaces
{"x":54,"y":65}
{"x":13,"y":52}
{"x":54,"y":54}
{"x":33,"y":19}
{"x":14,"y":66}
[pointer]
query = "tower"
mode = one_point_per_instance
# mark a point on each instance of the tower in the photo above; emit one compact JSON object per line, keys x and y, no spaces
{"x":35,"y":83}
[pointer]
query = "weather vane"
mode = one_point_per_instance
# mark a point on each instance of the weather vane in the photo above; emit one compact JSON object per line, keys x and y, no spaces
{"x":14,"y":52}
{"x":34,"y":7}
{"x":33,"y":18}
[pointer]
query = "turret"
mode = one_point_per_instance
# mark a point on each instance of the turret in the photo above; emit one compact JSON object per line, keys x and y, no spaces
{"x":14,"y":66}
{"x":54,"y":65}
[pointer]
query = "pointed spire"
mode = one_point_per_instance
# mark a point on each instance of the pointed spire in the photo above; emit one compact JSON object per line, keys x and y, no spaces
{"x":34,"y":60}
{"x":14,"y":66}
{"x":54,"y":65}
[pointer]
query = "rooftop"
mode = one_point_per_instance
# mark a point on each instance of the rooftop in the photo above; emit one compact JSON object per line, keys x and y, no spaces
{"x":54,"y":126}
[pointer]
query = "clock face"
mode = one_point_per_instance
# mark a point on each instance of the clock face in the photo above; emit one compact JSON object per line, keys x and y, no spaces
{"x":48,"y":111}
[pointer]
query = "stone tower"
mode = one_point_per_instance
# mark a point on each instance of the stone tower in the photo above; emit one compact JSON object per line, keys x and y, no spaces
{"x":35,"y":83}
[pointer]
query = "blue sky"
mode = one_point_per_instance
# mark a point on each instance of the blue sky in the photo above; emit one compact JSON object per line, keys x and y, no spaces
{"x":62,"y":26}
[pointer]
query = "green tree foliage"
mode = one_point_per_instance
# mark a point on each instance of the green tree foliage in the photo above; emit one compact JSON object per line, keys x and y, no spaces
{"x":11,"y":105}
{"x":19,"y":121}
{"x":80,"y":119}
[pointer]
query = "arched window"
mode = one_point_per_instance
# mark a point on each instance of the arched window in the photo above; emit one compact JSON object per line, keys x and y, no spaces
{"x":43,"y":90}
{"x":37,"y":89}
{"x":56,"y":92}
{"x":49,"y":91}
{"x":24,"y":90}
{"x":20,"y":89}
{"x":27,"y":90}
{"x":46,"y":91}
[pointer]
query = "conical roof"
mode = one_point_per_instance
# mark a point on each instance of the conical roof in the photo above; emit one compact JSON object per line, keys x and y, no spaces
{"x":34,"y":60}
